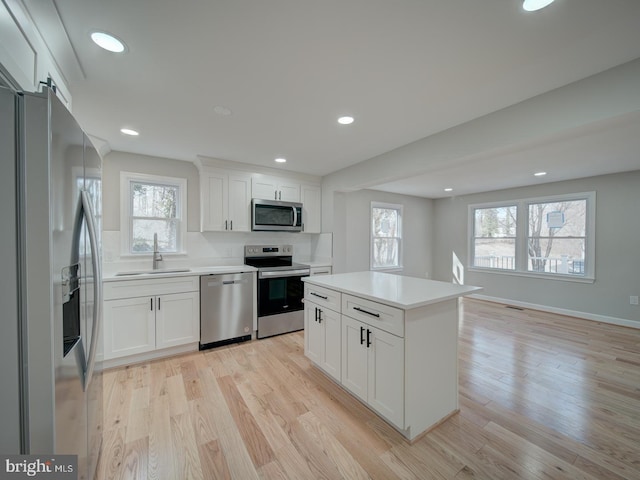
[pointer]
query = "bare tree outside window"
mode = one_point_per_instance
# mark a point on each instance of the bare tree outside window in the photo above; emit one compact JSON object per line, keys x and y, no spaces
{"x":546,"y":236}
{"x":154,"y":209}
{"x":494,"y":242}
{"x":386,"y":236}
{"x":557,"y":237}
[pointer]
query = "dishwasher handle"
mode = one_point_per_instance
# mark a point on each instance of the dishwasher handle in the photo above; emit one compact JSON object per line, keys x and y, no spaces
{"x":220,"y":280}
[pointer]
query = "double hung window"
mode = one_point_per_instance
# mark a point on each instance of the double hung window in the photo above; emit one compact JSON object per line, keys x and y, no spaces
{"x":550,"y":236}
{"x":386,"y":236}
{"x":152,"y":205}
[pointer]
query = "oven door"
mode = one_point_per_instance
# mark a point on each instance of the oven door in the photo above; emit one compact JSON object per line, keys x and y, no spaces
{"x":280,"y":291}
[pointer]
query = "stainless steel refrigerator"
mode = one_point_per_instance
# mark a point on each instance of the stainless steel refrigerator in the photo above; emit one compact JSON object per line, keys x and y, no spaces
{"x":50,"y":337}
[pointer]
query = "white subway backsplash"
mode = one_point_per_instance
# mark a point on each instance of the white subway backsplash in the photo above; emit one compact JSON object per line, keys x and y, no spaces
{"x":214,"y":248}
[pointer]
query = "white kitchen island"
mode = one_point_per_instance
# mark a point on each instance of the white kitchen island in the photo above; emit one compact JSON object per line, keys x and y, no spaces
{"x":390,"y":340}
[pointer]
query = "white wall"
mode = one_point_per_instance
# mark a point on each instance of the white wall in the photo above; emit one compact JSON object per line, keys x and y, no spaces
{"x":617,"y":265}
{"x":606,"y":96}
{"x":352,"y":217}
{"x":115,"y":162}
{"x":610,"y":95}
{"x":203,"y":248}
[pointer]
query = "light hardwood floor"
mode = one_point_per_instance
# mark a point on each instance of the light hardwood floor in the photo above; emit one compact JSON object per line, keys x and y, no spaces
{"x":542,"y":396}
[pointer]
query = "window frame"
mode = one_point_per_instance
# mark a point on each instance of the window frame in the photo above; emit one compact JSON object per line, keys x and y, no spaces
{"x":522,"y":236}
{"x":127,"y":179}
{"x":393,"y":206}
{"x":473,"y":237}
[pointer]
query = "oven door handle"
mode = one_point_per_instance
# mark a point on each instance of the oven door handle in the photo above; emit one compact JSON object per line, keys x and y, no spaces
{"x":285,"y":273}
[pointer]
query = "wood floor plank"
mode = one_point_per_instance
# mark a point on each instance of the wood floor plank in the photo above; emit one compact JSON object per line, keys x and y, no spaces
{"x":214,"y":465}
{"x":184,"y":448}
{"x":111,"y":458}
{"x":135,"y":461}
{"x":202,"y":412}
{"x":542,"y":396}
{"x":346,"y":465}
{"x":160,"y":463}
{"x":269,"y":425}
{"x":257,"y":445}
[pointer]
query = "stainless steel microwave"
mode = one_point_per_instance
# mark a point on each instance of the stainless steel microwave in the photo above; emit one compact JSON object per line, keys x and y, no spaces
{"x":275,"y":216}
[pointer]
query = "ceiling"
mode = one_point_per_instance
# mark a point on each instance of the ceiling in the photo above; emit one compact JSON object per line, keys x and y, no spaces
{"x":286,"y":69}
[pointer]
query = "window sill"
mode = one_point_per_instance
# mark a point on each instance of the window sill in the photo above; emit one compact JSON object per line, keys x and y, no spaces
{"x":545,"y":276}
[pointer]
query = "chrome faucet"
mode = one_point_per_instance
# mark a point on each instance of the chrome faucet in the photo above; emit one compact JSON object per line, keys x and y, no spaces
{"x":157,"y":258}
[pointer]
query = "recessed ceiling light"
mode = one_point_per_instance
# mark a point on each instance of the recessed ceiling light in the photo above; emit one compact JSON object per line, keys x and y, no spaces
{"x":533,"y":5}
{"x":108,"y":42}
{"x":128,"y":131}
{"x":222,"y":110}
{"x":540,"y":174}
{"x":281,"y":160}
{"x":448,"y":189}
{"x":346,"y":120}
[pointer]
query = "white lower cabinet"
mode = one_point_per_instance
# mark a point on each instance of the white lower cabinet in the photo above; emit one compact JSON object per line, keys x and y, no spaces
{"x":129,"y":327}
{"x":177,"y":319}
{"x":140,"y":317}
{"x":373,"y":368}
{"x":367,"y":360}
{"x":398,"y":358}
{"x":320,"y":271}
{"x":322,"y":337}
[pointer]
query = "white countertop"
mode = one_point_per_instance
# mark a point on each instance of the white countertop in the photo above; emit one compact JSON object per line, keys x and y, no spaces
{"x":395,"y":290}
{"x":174,"y":272}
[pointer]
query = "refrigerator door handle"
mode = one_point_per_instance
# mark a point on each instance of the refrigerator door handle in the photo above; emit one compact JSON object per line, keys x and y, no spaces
{"x":87,"y":209}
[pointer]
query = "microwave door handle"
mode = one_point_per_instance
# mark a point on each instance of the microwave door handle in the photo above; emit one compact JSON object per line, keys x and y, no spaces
{"x":295,"y":216}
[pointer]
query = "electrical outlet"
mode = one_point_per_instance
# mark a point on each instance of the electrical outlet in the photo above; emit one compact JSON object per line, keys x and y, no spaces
{"x":633,"y":299}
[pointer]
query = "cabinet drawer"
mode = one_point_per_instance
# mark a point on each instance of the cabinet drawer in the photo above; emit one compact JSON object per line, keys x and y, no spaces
{"x":323,"y":297}
{"x":150,"y":287}
{"x":389,"y":319}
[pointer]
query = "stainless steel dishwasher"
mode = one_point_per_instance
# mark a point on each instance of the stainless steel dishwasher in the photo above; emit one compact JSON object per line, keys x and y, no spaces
{"x":226,"y":308}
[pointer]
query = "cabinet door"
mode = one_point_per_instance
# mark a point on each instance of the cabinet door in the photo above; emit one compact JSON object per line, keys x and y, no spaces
{"x":274,"y":188}
{"x":264,"y":188}
{"x":214,"y":195}
{"x":239,"y":202}
{"x":288,"y":191}
{"x":313,"y":334}
{"x":129,"y":327}
{"x":354,"y":357}
{"x":386,"y":376}
{"x":177,"y":319}
{"x":310,"y":196}
{"x":332,"y":346}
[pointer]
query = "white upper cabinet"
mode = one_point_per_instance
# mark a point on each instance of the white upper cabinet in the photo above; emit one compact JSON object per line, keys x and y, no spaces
{"x":266,"y":187}
{"x":274,"y":188}
{"x":24,"y":53}
{"x":226,"y":190}
{"x":225,"y":200}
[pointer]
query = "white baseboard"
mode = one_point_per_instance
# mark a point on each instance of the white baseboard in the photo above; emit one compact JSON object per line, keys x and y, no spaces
{"x":147,"y":356}
{"x":623,"y":322}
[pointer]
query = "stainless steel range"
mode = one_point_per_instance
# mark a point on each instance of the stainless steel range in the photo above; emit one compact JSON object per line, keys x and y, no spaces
{"x":280,"y":288}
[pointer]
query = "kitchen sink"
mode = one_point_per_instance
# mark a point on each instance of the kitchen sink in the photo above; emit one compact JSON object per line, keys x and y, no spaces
{"x":153,"y":272}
